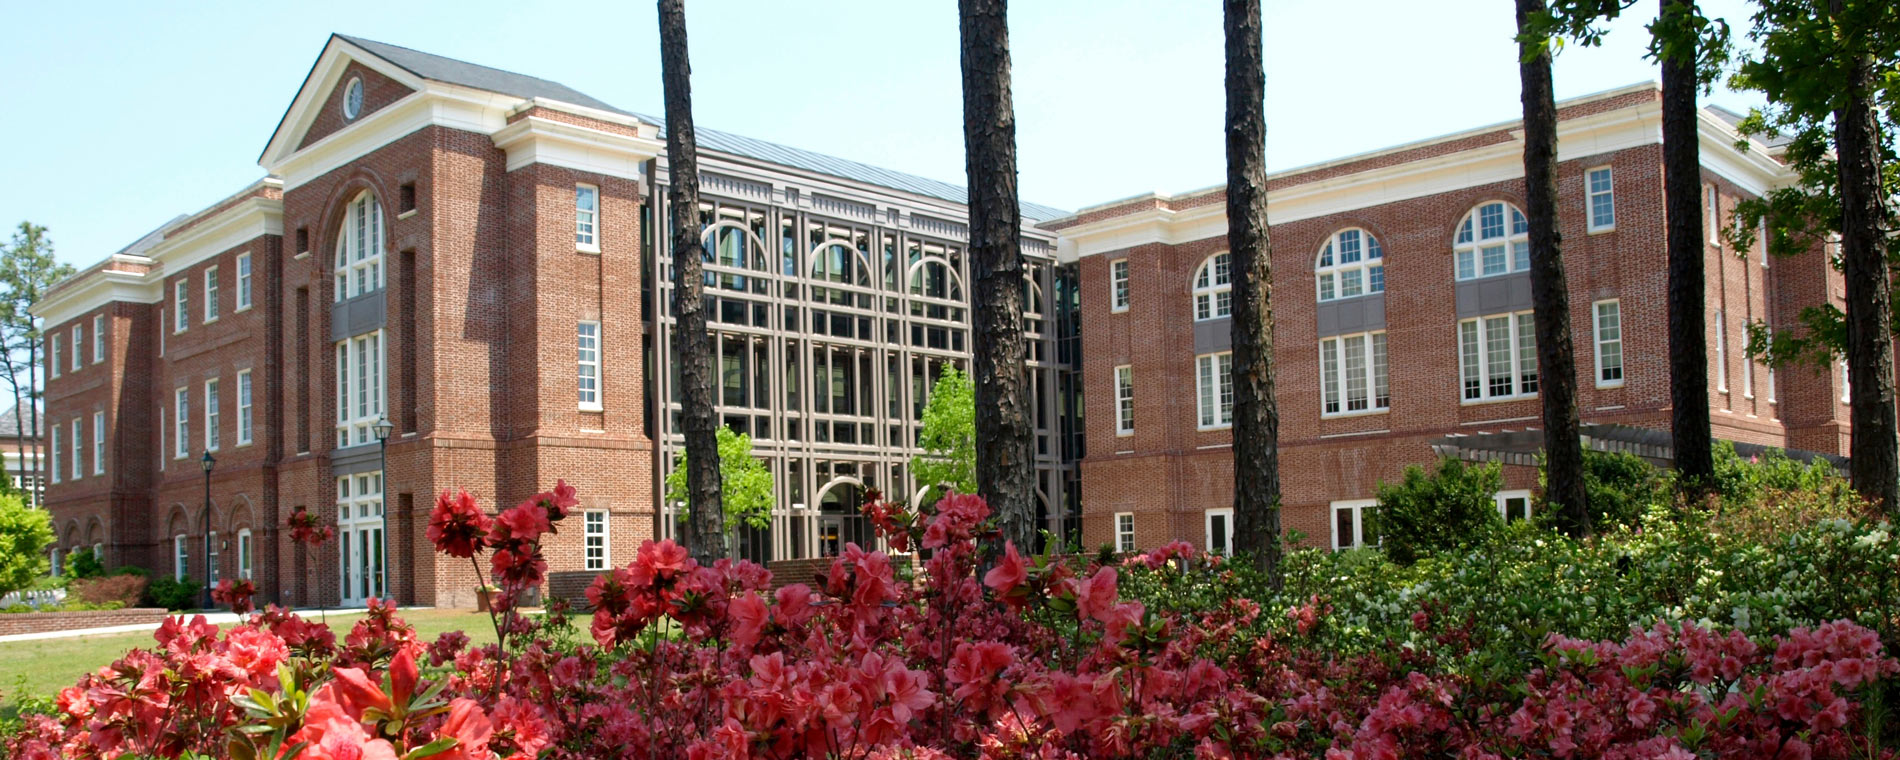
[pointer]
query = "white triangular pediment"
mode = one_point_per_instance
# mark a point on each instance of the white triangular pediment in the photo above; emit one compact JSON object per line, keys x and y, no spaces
{"x":323,"y":78}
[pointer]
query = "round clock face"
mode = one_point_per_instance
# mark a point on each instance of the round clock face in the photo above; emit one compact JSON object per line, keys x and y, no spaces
{"x":353,"y":99}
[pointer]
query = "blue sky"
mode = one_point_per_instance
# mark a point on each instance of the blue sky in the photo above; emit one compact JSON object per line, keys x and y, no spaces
{"x":127,"y":114}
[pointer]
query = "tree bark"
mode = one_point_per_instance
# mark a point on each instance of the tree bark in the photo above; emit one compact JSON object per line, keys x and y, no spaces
{"x":19,"y":430}
{"x":1688,"y":305}
{"x":1874,"y":452}
{"x":1550,"y":290}
{"x":1005,"y":473}
{"x":692,"y":345}
{"x":1256,"y":415}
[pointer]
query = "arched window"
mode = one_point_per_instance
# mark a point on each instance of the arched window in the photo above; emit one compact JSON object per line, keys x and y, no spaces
{"x":1486,"y":246}
{"x":1350,"y":264}
{"x":1213,"y":288}
{"x":359,"y":248}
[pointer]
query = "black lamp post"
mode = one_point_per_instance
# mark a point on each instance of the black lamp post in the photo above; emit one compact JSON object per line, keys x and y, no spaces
{"x":208,"y":463}
{"x":383,"y":429}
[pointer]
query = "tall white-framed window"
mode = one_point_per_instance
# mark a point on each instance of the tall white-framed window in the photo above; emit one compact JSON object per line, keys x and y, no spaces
{"x":1214,"y":288}
{"x":78,"y":460}
{"x":181,"y":423}
{"x":1124,"y":531}
{"x":359,"y":248}
{"x":244,"y":553}
{"x":587,"y":218}
{"x":1215,"y":373}
{"x":244,"y":407}
{"x":1124,"y":400}
{"x":1602,"y":200}
{"x":359,"y":388}
{"x":1513,"y":505}
{"x":98,"y":338}
{"x":1761,"y":233}
{"x":212,"y":571}
{"x":98,"y":443}
{"x":79,"y":347}
{"x":1493,"y":239}
{"x":53,"y":353}
{"x":53,"y":447}
{"x":211,"y":293}
{"x":1350,"y":264}
{"x":596,"y":539}
{"x":1497,"y":357}
{"x":1220,"y":531}
{"x":99,"y":551}
{"x":588,"y":358}
{"x":181,"y":558}
{"x":1748,"y":375}
{"x":1118,"y":285}
{"x":1721,"y":351}
{"x":1847,"y":393}
{"x":1712,"y":220}
{"x":56,"y":569}
{"x":181,"y":304}
{"x":1353,"y":525}
{"x":243,"y":281}
{"x":1353,"y":378}
{"x":213,"y":407}
{"x":1609,"y":340}
{"x":359,"y":518}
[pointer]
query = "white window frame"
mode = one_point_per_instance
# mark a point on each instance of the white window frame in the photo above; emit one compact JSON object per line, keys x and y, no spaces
{"x":1472,"y":239}
{"x":211,"y":294}
{"x":52,"y":353}
{"x":1124,"y":400}
{"x":244,"y":554}
{"x":1330,"y":267}
{"x":1502,"y":499}
{"x":99,"y":551}
{"x":181,"y":304}
{"x":243,"y":281}
{"x":181,"y":422}
{"x":586,"y":220}
{"x":1601,"y":335}
{"x":1214,"y":390}
{"x":1124,"y":531}
{"x":1592,"y":193}
{"x":98,"y":443}
{"x":1748,"y":375}
{"x":358,"y":267}
{"x":214,"y":438}
{"x":1712,"y":221}
{"x":596,"y":550}
{"x":98,"y":338}
{"x":1335,"y":382}
{"x":181,"y":558}
{"x":1518,"y":323}
{"x":78,"y":446}
{"x":212,"y":571}
{"x":361,"y":380}
{"x":1847,"y":392}
{"x":587,"y":361}
{"x":1118,"y":286}
{"x":1213,"y":287}
{"x":1207,"y":520}
{"x":54,"y":448}
{"x":79,"y":348}
{"x":361,"y":508}
{"x":1721,"y":351}
{"x":56,"y":568}
{"x":245,"y":419}
{"x":1358,"y":508}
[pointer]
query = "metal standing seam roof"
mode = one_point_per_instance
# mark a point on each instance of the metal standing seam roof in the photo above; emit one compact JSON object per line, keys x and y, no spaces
{"x":450,"y":70}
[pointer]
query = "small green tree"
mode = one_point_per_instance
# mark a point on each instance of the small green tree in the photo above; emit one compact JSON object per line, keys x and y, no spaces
{"x":747,"y":484}
{"x":25,"y":534}
{"x":1621,"y":487}
{"x":1430,"y":512}
{"x":949,"y":435}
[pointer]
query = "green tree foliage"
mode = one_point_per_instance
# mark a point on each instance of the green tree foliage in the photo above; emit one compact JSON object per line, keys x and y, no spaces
{"x":1434,"y":511}
{"x":746,"y":486}
{"x":25,"y":536}
{"x":949,"y":435}
{"x":27,"y":271}
{"x":1622,"y":487}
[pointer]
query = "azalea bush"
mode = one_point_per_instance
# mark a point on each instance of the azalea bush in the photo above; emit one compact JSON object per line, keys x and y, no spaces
{"x":990,"y":653}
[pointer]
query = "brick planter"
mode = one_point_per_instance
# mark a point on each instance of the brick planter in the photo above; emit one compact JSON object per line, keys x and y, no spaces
{"x":41,"y":622}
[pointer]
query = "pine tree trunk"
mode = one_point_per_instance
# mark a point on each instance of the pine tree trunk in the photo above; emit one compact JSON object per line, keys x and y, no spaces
{"x":1874,"y":453}
{"x":19,"y":430}
{"x":1550,"y":290}
{"x":692,"y":344}
{"x":42,"y":476}
{"x":1688,"y":305}
{"x":1005,"y":473}
{"x":1256,"y":415}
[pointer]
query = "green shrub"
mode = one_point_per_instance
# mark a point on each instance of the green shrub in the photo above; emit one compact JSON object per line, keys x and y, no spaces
{"x":25,"y":536}
{"x":1431,"y":512}
{"x":1621,"y":487}
{"x":172,"y":594}
{"x":83,"y":565}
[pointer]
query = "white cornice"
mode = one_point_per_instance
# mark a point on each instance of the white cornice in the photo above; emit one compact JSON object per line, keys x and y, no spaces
{"x":434,"y":104}
{"x":243,"y":222}
{"x":323,"y":77}
{"x":95,"y":289}
{"x":539,"y":140}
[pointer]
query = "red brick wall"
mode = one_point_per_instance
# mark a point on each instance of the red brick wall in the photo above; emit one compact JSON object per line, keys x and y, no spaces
{"x":378,"y":91}
{"x":41,"y":622}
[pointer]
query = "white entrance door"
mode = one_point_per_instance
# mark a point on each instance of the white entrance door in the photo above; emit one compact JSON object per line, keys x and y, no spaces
{"x":359,"y":517}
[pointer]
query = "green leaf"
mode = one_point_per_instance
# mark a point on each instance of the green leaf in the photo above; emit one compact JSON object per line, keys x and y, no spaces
{"x":436,"y":747}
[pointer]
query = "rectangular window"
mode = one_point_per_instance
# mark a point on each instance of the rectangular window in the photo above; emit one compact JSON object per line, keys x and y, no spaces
{"x":1118,"y":285}
{"x":213,"y":438}
{"x":1124,"y":400}
{"x":181,"y":559}
{"x":181,"y":424}
{"x":1220,"y":531}
{"x":244,"y":554}
{"x":79,"y":347}
{"x":359,"y":388}
{"x":211,"y":294}
{"x":78,"y":466}
{"x":98,"y":443}
{"x":181,"y":301}
{"x":1513,"y":505}
{"x":98,"y":338}
{"x":589,"y":360}
{"x":211,"y":557}
{"x":243,"y":281}
{"x":1353,"y":525}
{"x":52,"y":353}
{"x":1609,"y":319}
{"x":54,"y":448}
{"x":1712,"y":224}
{"x":1352,"y":375}
{"x":1748,"y":376}
{"x":586,"y":217}
{"x":1498,"y":357}
{"x":1216,"y":373}
{"x":244,"y":407}
{"x":596,"y":540}
{"x":1124,"y":531}
{"x":1721,"y":352}
{"x":1602,"y":201}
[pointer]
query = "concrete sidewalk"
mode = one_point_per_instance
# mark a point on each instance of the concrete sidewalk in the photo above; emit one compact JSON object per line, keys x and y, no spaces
{"x":216,"y":618}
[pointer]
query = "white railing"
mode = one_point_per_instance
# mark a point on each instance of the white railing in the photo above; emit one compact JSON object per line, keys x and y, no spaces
{"x":30,"y":598}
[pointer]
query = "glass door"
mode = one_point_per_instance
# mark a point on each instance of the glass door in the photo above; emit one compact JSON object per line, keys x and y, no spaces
{"x":360,"y":533}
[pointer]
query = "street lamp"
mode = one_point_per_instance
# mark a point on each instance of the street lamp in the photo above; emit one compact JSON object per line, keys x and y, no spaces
{"x":208,"y":462}
{"x":383,"y":428}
